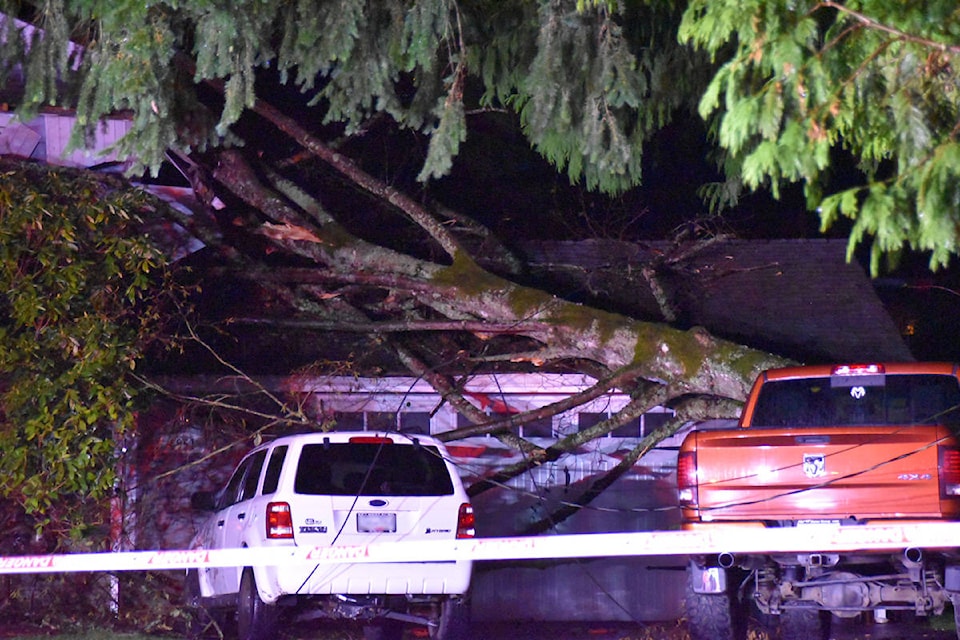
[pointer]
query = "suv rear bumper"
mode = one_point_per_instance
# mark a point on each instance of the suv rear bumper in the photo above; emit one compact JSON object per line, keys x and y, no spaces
{"x":406,"y":578}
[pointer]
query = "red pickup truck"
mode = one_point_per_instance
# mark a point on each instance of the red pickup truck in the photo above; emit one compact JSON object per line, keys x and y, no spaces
{"x":845,"y":445}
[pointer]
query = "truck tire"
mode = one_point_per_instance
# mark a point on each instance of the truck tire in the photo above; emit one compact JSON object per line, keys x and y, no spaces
{"x":955,"y":601}
{"x":256,"y":620}
{"x":802,"y":624}
{"x":713,"y":616}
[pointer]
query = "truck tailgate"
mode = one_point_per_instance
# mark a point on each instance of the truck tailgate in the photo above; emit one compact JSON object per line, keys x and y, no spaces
{"x":787,"y":473}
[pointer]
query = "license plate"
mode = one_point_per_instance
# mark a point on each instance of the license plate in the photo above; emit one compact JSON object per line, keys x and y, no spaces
{"x":376,"y":522}
{"x":814,"y":523}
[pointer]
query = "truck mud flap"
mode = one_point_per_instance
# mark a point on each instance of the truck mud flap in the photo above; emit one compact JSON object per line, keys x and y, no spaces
{"x":708,"y":579}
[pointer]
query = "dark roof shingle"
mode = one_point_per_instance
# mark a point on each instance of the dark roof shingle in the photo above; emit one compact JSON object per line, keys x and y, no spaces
{"x":797,"y":298}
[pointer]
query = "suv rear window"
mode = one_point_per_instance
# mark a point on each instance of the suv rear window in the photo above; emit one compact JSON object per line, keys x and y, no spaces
{"x":859,"y":400}
{"x":349,"y":469}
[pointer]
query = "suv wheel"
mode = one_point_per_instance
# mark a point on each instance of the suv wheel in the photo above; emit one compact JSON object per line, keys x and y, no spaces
{"x":453,"y":623}
{"x":713,"y":616}
{"x":256,"y":620}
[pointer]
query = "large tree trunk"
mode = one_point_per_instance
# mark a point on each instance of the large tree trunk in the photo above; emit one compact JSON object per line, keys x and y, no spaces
{"x":683,"y":361}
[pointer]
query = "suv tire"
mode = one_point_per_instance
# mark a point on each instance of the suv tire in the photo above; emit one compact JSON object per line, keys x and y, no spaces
{"x":453,"y":622}
{"x":256,"y":620}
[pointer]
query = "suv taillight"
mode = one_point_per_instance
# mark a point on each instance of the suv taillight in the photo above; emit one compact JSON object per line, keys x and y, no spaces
{"x":370,"y":440}
{"x":687,"y":478}
{"x":279,"y":521}
{"x":948,"y":467}
{"x":466,"y":524}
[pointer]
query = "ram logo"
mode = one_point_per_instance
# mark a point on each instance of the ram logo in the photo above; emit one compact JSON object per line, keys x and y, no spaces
{"x":814,"y":465}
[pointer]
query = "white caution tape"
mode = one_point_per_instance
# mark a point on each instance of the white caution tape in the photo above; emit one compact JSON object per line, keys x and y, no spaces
{"x":810,"y":539}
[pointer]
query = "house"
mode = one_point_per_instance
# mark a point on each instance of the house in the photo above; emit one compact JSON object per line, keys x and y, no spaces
{"x":799,"y":298}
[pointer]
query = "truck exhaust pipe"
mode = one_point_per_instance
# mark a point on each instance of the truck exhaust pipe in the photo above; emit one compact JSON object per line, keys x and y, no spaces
{"x":726,"y":560}
{"x":912,"y":556}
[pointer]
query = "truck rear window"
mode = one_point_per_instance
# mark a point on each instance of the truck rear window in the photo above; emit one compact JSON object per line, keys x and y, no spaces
{"x":350,"y":469}
{"x":859,"y":400}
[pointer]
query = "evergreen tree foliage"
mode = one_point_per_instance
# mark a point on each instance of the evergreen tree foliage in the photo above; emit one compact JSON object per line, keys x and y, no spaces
{"x":590,"y":83}
{"x":876,"y":79}
{"x":789,"y":87}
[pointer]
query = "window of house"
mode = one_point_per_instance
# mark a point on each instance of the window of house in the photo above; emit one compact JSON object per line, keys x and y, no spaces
{"x":637,"y":428}
{"x":348,"y":420}
{"x":632,"y":429}
{"x":415,"y":422}
{"x":542,"y":428}
{"x":381,"y":421}
{"x":589,"y":419}
{"x":653,"y":421}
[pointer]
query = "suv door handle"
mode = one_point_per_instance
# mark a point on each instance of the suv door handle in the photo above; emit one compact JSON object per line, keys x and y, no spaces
{"x":220,"y":523}
{"x":241,"y":516}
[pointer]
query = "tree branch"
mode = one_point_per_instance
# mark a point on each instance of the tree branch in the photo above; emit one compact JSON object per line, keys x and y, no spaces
{"x":449,"y":392}
{"x":870,"y":23}
{"x":622,"y":378}
{"x":570,"y":508}
{"x":634,"y":409}
{"x":396,"y":327}
{"x":356,"y":175}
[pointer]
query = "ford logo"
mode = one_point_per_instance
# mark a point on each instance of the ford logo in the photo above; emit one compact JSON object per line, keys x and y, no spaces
{"x":378,"y":503}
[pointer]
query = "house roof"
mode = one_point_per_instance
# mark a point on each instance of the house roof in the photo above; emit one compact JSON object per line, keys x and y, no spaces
{"x":797,"y":298}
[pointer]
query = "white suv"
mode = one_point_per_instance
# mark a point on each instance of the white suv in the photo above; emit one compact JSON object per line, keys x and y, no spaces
{"x":331,"y":489}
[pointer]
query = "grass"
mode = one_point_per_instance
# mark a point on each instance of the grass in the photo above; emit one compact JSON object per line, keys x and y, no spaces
{"x":102,"y":634}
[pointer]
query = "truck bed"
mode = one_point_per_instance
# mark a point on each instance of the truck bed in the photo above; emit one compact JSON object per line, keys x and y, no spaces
{"x":789,"y":474}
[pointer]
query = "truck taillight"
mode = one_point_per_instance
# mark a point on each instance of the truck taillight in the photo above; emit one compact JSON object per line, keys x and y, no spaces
{"x":948,"y":466}
{"x":687,"y":478}
{"x":858,"y":369}
{"x":279,"y":521}
{"x":466,"y":523}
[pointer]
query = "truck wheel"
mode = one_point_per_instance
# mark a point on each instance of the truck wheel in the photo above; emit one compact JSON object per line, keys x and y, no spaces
{"x":713,"y":616}
{"x":256,"y":620}
{"x":956,"y":613}
{"x":955,"y":601}
{"x":802,"y":624}
{"x":453,"y":623}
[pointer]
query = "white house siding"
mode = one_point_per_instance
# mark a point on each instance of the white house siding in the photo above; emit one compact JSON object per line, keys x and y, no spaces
{"x":16,"y":138}
{"x":46,"y":138}
{"x":57,"y":130}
